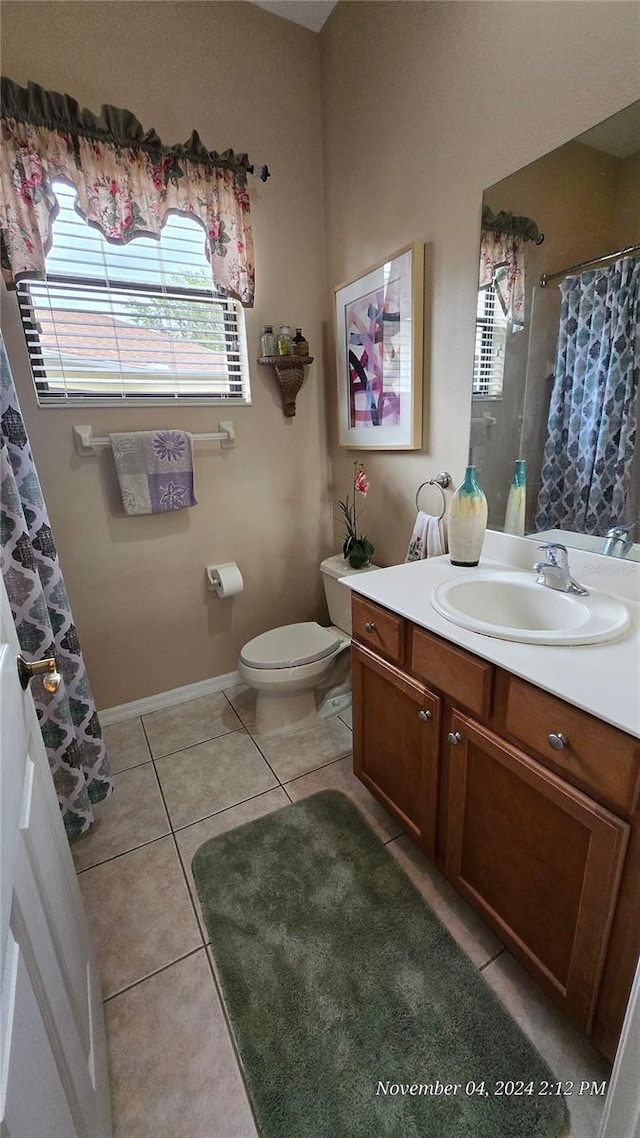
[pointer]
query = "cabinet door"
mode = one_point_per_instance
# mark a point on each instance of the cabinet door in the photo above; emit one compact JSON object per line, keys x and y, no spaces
{"x":396,"y":731}
{"x":538,"y":858}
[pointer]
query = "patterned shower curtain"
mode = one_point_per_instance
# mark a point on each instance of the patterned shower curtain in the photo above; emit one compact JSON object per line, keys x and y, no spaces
{"x":586,"y":469}
{"x":44,"y":624}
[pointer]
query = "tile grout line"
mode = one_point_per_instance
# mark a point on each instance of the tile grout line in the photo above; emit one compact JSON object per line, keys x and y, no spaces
{"x":190,"y":746}
{"x":232,"y":806}
{"x":175,"y":846}
{"x":488,"y":962}
{"x":180,"y":829}
{"x":254,"y":740}
{"x":122,"y":853}
{"x":314,"y":770}
{"x":150,"y":975}
{"x":209,"y":952}
{"x":264,"y":757}
{"x":229,"y":1025}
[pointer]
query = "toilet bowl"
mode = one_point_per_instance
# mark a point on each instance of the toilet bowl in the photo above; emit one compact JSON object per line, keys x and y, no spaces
{"x":301,"y":673}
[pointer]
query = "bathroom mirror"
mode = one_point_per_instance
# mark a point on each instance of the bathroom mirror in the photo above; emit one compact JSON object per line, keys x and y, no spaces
{"x":584,"y":198}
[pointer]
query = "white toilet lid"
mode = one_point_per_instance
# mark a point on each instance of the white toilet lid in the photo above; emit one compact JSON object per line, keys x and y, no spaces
{"x":289,"y":646}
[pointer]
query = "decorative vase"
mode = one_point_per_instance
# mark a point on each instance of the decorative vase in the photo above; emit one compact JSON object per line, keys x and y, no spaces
{"x":358,"y":551}
{"x":467,"y":521}
{"x":517,"y":500}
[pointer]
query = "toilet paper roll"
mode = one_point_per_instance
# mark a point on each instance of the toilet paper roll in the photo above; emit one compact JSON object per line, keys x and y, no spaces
{"x":225,"y":579}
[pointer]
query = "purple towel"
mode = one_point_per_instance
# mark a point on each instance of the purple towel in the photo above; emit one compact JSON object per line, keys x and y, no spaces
{"x":155,"y":470}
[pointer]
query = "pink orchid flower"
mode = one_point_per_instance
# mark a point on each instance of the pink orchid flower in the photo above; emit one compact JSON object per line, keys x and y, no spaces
{"x":361,"y":483}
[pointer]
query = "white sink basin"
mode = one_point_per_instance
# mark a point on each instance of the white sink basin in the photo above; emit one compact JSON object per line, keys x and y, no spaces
{"x":513,"y":606}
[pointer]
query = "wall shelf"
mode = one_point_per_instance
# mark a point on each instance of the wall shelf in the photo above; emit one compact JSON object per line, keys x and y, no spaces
{"x":289,"y":371}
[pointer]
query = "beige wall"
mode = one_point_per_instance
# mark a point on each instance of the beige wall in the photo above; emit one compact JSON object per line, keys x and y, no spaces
{"x":248,"y":80}
{"x":423,"y":106}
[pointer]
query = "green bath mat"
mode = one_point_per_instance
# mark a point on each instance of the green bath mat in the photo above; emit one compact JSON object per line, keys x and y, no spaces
{"x":352,"y":1006}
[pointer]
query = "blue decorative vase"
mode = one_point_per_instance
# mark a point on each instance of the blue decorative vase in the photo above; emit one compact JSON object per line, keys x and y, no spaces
{"x":467,"y":521}
{"x":517,"y":500}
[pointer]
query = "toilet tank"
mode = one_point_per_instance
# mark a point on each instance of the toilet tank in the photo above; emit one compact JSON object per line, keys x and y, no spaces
{"x":339,"y":598}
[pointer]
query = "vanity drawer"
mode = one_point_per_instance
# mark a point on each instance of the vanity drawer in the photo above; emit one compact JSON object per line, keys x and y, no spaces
{"x":380,"y":630}
{"x":596,"y":756}
{"x":468,"y":680}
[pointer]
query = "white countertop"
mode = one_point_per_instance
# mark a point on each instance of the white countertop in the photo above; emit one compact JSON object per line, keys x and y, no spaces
{"x":602,"y":679}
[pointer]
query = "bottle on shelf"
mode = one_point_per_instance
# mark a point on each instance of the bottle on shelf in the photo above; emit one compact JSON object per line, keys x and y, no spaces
{"x":299,"y":344}
{"x":267,"y":341}
{"x":284,"y":340}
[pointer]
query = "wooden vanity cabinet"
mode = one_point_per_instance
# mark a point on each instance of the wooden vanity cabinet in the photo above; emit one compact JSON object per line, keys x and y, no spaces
{"x":528,"y":805}
{"x":396,"y":735}
{"x":539,"y":859}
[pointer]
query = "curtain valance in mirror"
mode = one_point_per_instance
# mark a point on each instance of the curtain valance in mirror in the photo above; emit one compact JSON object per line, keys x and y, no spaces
{"x":511,"y":225}
{"x":127,"y":182}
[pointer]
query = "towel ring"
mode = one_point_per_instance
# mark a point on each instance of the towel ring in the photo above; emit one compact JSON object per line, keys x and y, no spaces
{"x":441,"y":481}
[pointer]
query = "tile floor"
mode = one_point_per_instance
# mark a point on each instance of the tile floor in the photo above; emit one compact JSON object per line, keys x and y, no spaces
{"x":182,"y":775}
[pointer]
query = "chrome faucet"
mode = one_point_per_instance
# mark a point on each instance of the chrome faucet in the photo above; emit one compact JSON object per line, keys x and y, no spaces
{"x":554,"y":572}
{"x":617,"y":542}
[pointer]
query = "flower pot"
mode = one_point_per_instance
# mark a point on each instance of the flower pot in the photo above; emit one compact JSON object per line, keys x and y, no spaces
{"x":358,"y":552}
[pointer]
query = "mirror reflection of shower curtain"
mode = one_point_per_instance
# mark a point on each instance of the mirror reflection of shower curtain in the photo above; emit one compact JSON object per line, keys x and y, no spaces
{"x":591,"y":431}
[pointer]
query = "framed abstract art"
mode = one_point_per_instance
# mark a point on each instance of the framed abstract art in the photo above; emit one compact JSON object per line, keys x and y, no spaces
{"x":379,"y":327}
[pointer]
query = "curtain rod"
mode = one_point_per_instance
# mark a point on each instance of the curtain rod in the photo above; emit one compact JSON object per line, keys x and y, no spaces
{"x":546,"y":277}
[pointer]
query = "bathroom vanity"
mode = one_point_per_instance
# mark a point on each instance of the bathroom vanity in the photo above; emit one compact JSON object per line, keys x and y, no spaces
{"x":516,"y":769}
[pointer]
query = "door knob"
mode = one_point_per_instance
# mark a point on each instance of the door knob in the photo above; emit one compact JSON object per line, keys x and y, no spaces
{"x":424,"y":715}
{"x":454,"y":738}
{"x":370,"y":626}
{"x":48,"y":669}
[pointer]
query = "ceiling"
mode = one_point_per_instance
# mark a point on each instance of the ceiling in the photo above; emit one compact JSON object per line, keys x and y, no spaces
{"x":311,"y":13}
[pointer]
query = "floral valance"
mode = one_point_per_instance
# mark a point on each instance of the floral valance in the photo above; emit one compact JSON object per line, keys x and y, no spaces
{"x":511,"y":224}
{"x":127,"y":182}
{"x":502,"y":265}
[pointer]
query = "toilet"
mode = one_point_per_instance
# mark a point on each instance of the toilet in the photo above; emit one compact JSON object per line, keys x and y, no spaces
{"x":301,"y":673}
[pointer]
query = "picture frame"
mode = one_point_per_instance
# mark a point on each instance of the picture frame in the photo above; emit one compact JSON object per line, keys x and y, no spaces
{"x":379,"y":320}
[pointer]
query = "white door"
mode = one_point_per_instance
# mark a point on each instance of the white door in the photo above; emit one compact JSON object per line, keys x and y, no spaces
{"x":53,"y":1072}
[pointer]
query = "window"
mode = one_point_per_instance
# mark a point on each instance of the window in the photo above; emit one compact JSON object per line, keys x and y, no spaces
{"x":491,"y":343}
{"x":131,"y":323}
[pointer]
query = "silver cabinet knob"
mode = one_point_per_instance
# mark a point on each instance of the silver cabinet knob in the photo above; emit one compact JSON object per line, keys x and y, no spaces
{"x":454,"y":738}
{"x":370,"y":626}
{"x":558,"y":742}
{"x":48,"y":669}
{"x":424,"y":715}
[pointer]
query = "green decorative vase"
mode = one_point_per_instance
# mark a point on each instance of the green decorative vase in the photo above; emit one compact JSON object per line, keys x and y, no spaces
{"x":517,"y":500}
{"x":358,"y":551}
{"x":467,"y":521}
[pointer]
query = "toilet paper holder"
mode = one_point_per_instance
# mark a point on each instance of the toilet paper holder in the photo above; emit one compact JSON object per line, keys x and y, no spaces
{"x":224,"y":579}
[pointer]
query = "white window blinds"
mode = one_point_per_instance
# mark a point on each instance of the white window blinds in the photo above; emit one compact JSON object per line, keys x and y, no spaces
{"x":131,"y":323}
{"x":490,"y":347}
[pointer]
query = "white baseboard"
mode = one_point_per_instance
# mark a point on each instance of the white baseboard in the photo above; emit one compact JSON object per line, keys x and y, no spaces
{"x":138,"y":707}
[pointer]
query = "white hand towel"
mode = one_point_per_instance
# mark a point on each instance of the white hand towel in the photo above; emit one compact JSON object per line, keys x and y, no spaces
{"x":435,"y":538}
{"x":418,"y":542}
{"x":427,"y":538}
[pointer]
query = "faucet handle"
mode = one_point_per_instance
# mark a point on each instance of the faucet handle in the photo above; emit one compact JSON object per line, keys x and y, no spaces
{"x":557,"y":554}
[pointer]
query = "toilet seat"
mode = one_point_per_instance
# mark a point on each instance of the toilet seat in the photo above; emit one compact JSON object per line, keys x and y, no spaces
{"x":290,"y":646}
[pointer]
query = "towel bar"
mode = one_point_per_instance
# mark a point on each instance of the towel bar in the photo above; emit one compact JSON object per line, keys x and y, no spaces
{"x":441,"y":481}
{"x":86,"y":444}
